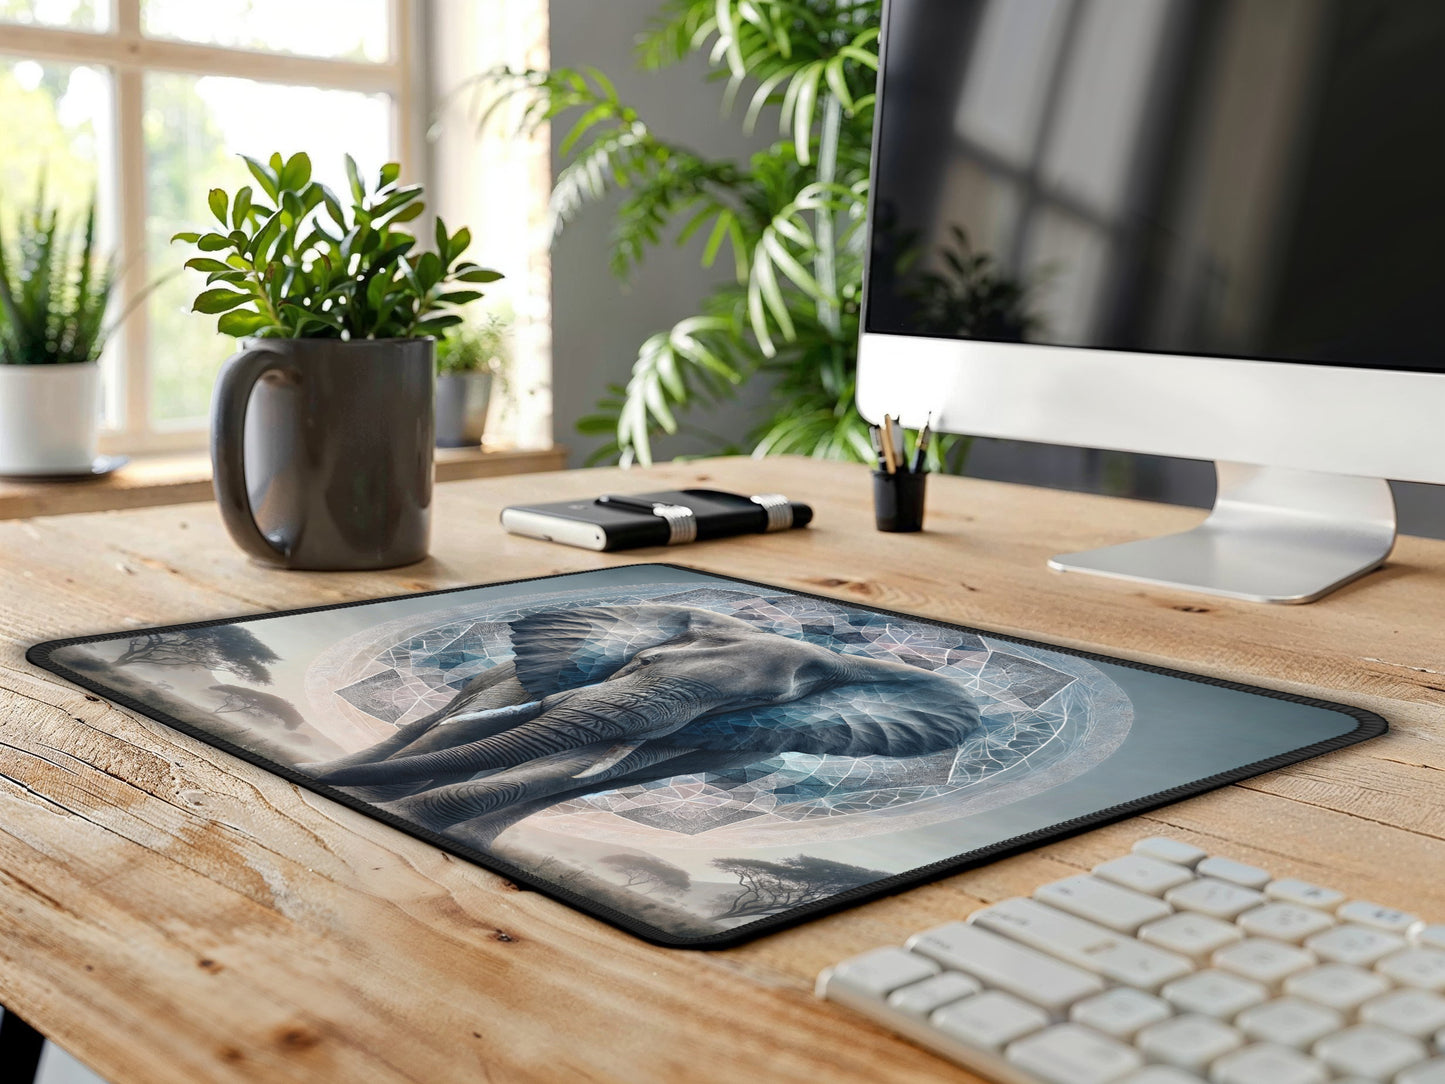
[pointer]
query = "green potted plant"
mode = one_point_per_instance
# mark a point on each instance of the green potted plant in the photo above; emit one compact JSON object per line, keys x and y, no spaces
{"x":788,"y":219}
{"x":54,"y":291}
{"x":472,"y":360}
{"x":337,"y":306}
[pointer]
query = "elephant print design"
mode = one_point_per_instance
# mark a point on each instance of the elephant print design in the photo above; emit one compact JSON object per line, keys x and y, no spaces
{"x":605,"y":697}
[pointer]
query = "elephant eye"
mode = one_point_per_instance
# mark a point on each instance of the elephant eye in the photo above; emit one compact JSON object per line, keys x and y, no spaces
{"x":644,"y":660}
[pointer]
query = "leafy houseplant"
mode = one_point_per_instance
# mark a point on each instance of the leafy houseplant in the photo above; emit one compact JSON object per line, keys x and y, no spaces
{"x":472,"y":360}
{"x":282,"y":269}
{"x":789,"y":219}
{"x":338,"y":307}
{"x":54,"y":291}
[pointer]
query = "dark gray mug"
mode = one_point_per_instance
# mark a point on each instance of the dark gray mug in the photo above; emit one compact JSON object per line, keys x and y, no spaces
{"x":322,"y":451}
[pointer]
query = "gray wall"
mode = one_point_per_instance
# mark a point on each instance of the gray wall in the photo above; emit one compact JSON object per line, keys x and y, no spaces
{"x":598,"y":323}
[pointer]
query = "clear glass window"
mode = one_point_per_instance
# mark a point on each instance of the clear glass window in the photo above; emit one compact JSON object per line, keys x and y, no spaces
{"x":194,"y":130}
{"x":340,"y":29}
{"x":71,"y":14}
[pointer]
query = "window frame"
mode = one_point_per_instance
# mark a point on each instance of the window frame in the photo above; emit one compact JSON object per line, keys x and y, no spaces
{"x":128,"y":54}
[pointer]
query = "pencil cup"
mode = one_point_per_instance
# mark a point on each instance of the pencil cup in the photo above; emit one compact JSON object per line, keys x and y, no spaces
{"x":898,"y":500}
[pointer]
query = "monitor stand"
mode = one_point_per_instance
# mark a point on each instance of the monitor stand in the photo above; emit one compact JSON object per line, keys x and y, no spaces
{"x":1275,"y":535}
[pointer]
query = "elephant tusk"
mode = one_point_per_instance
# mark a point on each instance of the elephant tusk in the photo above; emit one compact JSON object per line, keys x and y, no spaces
{"x":614,"y":755}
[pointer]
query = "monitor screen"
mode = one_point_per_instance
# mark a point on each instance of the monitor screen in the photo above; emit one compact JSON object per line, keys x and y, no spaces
{"x":1239,"y":178}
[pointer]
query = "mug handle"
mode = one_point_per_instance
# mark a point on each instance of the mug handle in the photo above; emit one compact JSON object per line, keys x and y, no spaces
{"x":228,"y":452}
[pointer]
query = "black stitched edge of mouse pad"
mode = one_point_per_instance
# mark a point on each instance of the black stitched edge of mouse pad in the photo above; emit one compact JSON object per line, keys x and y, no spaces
{"x":695,"y":758}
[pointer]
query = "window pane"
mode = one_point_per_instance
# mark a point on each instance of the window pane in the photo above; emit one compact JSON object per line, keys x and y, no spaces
{"x":57,"y":126}
{"x":73,"y":14}
{"x":194,"y":128}
{"x":350,"y":29}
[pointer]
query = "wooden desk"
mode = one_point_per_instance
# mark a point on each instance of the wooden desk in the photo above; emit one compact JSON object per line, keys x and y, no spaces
{"x":151,"y":481}
{"x":168,"y":913}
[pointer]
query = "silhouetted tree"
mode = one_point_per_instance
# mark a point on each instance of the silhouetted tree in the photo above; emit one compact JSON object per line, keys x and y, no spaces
{"x":240,"y":700}
{"x":770,"y":887}
{"x":558,"y":872}
{"x":644,"y":869}
{"x":228,"y":648}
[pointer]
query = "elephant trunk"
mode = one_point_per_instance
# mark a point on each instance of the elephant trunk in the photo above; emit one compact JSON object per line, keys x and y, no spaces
{"x":443,"y":807}
{"x":609,"y":712}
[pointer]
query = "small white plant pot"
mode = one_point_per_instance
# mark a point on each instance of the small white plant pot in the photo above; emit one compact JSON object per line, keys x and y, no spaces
{"x":49,"y":418}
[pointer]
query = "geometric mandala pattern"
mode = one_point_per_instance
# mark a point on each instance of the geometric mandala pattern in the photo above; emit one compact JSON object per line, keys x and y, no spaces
{"x":1034,"y":712}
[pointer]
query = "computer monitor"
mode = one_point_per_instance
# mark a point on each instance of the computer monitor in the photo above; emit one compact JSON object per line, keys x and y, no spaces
{"x":1202,"y":228}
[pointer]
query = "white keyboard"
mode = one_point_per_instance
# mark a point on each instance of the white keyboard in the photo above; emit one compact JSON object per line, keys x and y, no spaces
{"x":1168,"y":966}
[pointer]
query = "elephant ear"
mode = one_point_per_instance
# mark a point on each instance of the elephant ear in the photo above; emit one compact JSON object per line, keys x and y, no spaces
{"x":565,"y":649}
{"x":895,"y":714}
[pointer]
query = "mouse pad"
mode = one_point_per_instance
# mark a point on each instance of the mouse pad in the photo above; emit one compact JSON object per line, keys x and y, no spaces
{"x":695,"y":758}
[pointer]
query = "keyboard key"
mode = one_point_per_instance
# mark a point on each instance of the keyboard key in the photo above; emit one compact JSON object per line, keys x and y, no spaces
{"x":1161,"y":1074}
{"x":1214,"y":993}
{"x":1103,"y":902}
{"x":1217,"y":899}
{"x":1304,"y":894}
{"x":1120,"y":1012}
{"x":1083,"y":944}
{"x":1227,"y":869}
{"x":1369,"y":1052}
{"x":1143,"y":874}
{"x":1358,"y":945}
{"x":1143,"y":972}
{"x":1266,"y":1064}
{"x":1267,"y":962}
{"x":990,"y":1020}
{"x":1070,"y":1054}
{"x":878,"y":973}
{"x":998,"y":962}
{"x":1336,"y":986}
{"x":1415,"y":1012}
{"x":1188,"y":1042}
{"x":1421,"y":967}
{"x":1192,"y":935}
{"x":1170,"y":850}
{"x":1289,"y":1021}
{"x":922,"y":998}
{"x":1376,"y":916}
{"x":1430,"y":1072}
{"x":1284,"y":922}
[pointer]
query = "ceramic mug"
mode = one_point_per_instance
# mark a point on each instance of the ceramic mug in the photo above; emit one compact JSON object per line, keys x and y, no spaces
{"x":322,"y":451}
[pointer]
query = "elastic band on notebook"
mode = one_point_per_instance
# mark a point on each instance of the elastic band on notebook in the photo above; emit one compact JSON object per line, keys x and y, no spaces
{"x":681,"y":523}
{"x":778,"y":508}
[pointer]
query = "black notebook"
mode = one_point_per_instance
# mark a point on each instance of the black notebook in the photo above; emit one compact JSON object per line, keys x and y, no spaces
{"x":620,"y":523}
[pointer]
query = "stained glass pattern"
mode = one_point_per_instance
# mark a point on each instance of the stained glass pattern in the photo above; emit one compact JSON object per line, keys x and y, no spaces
{"x":1052,"y":715}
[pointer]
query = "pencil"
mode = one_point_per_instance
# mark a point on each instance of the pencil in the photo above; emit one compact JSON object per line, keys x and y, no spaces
{"x":889,"y":456}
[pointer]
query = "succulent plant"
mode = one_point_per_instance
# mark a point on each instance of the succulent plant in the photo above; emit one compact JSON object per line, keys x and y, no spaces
{"x":53,"y":291}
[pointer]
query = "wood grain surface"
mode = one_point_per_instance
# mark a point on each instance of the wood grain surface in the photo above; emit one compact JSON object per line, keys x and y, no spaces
{"x":169,"y":913}
{"x":151,"y":481}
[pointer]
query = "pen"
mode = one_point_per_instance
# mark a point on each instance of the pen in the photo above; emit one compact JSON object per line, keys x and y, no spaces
{"x":900,"y":447}
{"x":921,"y":448}
{"x":877,"y":443}
{"x":632,"y":504}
